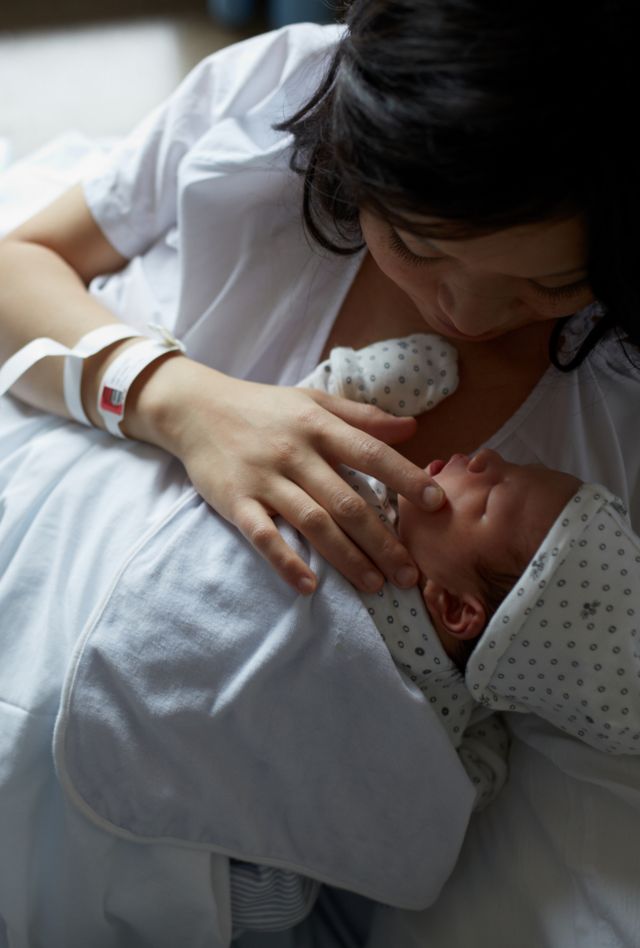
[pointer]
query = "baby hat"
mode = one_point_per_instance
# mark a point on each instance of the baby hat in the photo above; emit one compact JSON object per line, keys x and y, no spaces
{"x":402,"y":376}
{"x":564,"y":642}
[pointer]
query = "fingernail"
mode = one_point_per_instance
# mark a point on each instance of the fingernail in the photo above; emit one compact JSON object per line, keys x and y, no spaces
{"x":306,"y":586}
{"x":432,"y":497}
{"x":407,"y":576}
{"x":372,"y":581}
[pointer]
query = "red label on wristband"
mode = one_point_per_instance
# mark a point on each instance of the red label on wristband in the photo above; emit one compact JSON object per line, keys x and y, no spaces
{"x":112,"y":399}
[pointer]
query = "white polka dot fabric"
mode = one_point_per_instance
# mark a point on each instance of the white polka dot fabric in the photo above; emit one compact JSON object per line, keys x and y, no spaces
{"x":402,"y":376}
{"x":404,"y":623}
{"x":564,"y":643}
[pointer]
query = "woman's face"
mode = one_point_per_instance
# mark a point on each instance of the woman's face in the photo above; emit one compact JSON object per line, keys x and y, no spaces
{"x":483,"y":287}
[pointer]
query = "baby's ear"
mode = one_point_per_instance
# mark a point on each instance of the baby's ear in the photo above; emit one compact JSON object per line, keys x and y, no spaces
{"x":464,"y":616}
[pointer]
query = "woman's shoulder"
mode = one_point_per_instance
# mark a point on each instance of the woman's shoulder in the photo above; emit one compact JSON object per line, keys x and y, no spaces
{"x":268,"y":62}
{"x":230,"y":106}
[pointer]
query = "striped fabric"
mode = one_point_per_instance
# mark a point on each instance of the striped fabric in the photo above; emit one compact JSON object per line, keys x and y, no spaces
{"x":267,"y":899}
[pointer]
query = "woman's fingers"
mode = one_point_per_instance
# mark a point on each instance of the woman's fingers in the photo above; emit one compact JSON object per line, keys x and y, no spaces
{"x":343,"y":528}
{"x":363,"y":450}
{"x":255,"y":524}
{"x":381,"y":424}
{"x":346,"y":530}
{"x":338,"y":527}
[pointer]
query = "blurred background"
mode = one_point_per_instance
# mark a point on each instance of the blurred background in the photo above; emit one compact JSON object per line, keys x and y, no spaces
{"x":96,"y":68}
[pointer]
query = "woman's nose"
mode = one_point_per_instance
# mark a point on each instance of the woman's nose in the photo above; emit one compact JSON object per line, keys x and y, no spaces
{"x":473,"y":306}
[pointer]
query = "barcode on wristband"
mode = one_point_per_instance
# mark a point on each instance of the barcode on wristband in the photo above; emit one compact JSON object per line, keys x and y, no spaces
{"x":112,"y":400}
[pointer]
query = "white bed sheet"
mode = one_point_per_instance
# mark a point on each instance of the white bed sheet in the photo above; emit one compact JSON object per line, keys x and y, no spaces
{"x":32,"y":182}
{"x":553,"y":863}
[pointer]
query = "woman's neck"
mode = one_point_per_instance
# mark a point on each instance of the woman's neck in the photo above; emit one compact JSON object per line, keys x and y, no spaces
{"x":495,"y":376}
{"x":376,"y":308}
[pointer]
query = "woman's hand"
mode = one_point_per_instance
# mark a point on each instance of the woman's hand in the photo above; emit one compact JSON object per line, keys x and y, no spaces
{"x":254,"y":451}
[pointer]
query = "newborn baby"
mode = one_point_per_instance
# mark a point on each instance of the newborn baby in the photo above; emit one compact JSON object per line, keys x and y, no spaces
{"x":517,"y":588}
{"x":472,"y":551}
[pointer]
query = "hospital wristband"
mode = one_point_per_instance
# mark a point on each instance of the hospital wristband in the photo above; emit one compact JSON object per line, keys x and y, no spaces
{"x":89,"y":345}
{"x":120,"y":375}
{"x":43,"y":347}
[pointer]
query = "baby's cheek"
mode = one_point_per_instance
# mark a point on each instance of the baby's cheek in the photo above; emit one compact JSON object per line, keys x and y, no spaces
{"x":422,"y":541}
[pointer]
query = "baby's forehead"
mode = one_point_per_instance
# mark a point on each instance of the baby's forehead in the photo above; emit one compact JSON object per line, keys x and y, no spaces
{"x":540,"y":485}
{"x":540,"y":494}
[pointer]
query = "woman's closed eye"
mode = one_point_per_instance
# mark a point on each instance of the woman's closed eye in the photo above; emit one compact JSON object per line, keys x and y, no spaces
{"x":401,"y":250}
{"x":559,"y":292}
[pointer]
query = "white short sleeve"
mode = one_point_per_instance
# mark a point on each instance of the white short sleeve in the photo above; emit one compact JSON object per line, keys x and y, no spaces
{"x":134,"y":198}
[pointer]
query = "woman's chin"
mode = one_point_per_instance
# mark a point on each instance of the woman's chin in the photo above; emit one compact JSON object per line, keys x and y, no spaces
{"x":443,"y":325}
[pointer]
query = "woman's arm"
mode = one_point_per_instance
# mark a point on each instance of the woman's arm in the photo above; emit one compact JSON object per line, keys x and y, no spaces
{"x":44,"y":267}
{"x":251,"y":450}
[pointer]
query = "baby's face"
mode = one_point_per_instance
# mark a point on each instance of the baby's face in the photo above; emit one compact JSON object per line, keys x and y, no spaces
{"x":496,"y":512}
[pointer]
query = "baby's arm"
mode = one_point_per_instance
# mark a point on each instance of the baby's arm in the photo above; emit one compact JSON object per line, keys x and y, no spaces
{"x":402,"y":376}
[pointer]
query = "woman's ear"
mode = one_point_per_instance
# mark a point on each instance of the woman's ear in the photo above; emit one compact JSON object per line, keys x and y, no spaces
{"x":463,"y":617}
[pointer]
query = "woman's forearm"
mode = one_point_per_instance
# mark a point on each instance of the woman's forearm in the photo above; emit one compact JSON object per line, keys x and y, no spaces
{"x":251,"y":450}
{"x":41,"y":295}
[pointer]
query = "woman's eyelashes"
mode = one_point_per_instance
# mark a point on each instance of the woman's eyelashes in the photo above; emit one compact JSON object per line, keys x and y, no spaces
{"x":401,"y":250}
{"x":559,"y":292}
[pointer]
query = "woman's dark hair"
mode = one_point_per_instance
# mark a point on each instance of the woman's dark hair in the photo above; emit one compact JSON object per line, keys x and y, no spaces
{"x":484,"y":114}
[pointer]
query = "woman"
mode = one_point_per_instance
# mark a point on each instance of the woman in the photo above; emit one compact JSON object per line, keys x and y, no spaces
{"x":455,"y":140}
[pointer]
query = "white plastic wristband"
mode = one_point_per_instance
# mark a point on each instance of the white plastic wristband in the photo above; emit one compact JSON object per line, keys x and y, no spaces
{"x":22,"y":360}
{"x":38,"y":349}
{"x":120,"y":375}
{"x":89,"y":345}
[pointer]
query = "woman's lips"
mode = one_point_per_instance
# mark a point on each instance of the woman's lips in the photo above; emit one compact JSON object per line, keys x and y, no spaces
{"x":447,"y":324}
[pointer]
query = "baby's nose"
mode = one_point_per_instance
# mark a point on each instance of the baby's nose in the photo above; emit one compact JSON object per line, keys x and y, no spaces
{"x":484,"y":459}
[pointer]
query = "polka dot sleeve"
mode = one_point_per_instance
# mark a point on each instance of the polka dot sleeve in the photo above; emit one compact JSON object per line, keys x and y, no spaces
{"x":402,"y":376}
